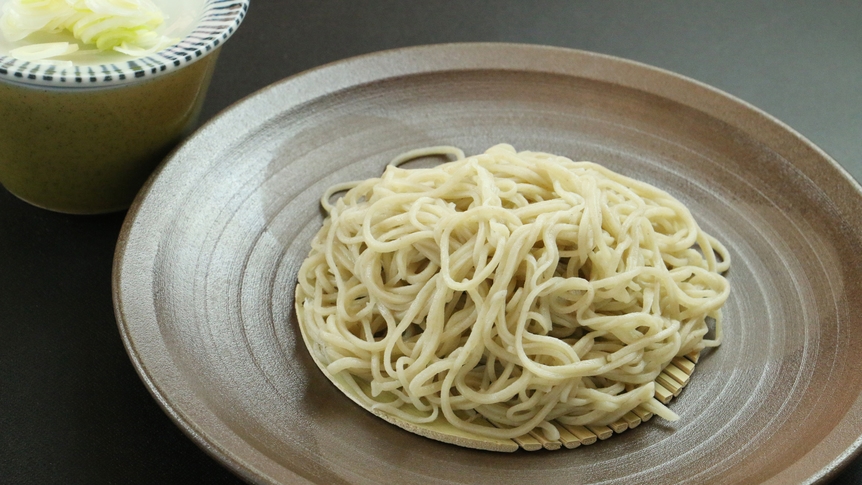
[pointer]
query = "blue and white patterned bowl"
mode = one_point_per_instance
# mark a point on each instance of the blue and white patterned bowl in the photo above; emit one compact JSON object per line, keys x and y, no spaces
{"x":218,"y":21}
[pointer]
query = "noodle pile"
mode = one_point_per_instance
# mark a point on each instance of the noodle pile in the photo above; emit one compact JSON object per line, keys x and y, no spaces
{"x":519,"y":287}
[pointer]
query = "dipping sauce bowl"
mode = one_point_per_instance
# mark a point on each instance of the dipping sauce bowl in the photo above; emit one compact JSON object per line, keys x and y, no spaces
{"x":83,"y":139}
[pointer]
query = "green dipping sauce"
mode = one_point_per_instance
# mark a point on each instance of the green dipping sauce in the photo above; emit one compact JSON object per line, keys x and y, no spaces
{"x":84,"y":149}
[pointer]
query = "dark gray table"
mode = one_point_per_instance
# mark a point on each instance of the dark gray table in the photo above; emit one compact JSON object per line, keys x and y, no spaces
{"x":72,"y":409}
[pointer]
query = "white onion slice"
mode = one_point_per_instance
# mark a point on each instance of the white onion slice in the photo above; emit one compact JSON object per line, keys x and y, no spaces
{"x":38,"y":52}
{"x":126,"y":26}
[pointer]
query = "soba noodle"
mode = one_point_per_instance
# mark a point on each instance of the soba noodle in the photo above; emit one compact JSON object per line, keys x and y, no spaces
{"x":519,"y":287}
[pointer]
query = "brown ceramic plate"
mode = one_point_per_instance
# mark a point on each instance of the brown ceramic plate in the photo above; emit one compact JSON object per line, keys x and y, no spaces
{"x":206,"y":263}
